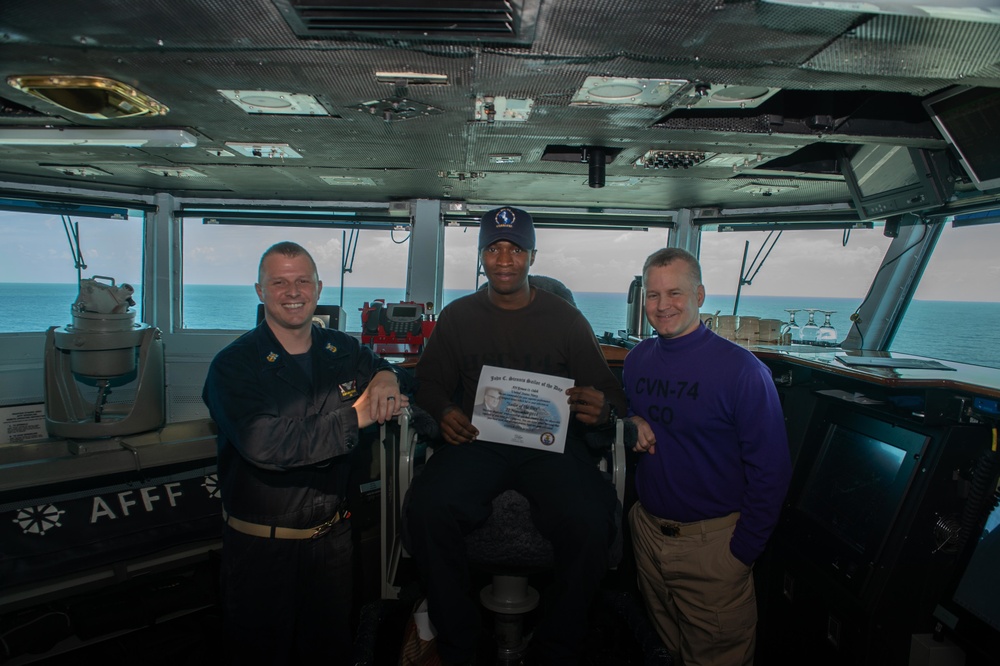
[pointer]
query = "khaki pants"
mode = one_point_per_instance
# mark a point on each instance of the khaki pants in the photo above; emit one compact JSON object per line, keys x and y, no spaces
{"x":699,"y":596}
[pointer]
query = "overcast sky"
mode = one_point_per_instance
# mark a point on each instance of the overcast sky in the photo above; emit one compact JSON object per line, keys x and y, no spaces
{"x":964,"y":266}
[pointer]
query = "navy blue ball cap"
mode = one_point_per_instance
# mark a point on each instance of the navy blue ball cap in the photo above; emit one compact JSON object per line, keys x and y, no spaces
{"x":508,"y":224}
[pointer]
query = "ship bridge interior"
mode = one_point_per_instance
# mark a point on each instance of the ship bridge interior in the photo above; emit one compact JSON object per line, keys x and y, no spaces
{"x":415,"y":116}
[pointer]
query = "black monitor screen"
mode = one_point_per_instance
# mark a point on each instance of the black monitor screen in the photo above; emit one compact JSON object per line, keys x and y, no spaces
{"x":880,"y":169}
{"x":859,"y":481}
{"x":887,"y":180}
{"x":969,"y":119}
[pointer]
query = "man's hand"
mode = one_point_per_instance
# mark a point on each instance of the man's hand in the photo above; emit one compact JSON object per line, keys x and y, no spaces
{"x":456,"y":428}
{"x":381,"y":400}
{"x":589,"y":405}
{"x":646,"y":441}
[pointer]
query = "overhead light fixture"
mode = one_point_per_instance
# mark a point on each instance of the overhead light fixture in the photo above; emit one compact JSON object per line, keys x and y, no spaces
{"x":122,"y":138}
{"x":625,"y":91}
{"x":270,"y":102}
{"x":95,"y":97}
{"x":699,"y":95}
{"x":349,"y":181}
{"x":419,"y":78}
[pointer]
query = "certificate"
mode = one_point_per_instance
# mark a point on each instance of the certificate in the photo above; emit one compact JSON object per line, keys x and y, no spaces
{"x":522,"y":408}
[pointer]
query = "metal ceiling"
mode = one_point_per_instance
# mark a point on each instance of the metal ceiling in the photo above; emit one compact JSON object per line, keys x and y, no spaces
{"x":815,"y":79}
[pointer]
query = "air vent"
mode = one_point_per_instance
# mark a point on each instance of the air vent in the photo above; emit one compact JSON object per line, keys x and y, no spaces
{"x":501,"y":22}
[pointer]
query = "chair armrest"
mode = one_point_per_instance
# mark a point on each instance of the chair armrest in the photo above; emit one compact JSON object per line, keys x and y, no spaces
{"x":408,"y":455}
{"x":618,"y":460}
{"x":398,"y":459}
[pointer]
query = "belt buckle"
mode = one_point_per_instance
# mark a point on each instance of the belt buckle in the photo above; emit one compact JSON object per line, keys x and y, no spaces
{"x":325,"y":527}
{"x":670,"y":530}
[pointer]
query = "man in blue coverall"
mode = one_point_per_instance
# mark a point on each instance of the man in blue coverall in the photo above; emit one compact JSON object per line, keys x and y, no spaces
{"x":289,"y":399}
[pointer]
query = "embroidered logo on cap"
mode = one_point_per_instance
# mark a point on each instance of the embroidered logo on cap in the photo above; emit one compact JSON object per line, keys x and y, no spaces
{"x":505,"y":218}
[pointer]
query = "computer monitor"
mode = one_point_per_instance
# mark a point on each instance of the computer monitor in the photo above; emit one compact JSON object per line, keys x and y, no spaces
{"x":887,"y":180}
{"x":969,"y":120}
{"x":856,"y":488}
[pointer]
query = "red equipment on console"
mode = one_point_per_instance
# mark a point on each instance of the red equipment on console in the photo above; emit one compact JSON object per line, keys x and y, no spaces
{"x":396,"y":329}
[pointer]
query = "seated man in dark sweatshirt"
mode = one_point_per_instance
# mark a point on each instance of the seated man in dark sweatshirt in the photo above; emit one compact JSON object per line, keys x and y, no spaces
{"x":512,"y":325}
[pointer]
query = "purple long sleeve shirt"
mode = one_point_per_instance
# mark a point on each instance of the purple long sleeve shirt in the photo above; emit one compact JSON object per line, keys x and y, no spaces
{"x":721,"y":444}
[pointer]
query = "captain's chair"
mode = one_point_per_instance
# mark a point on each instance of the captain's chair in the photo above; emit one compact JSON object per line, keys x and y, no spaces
{"x":508,"y":545}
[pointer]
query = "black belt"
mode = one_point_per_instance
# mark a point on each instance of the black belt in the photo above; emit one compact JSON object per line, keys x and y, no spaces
{"x":674,"y":529}
{"x":275,"y":532}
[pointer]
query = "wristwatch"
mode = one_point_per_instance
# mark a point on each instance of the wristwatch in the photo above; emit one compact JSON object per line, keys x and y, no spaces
{"x":612,"y":416}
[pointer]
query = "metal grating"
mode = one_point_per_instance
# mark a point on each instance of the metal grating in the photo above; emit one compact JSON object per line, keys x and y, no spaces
{"x":909,"y":46}
{"x":500,"y":22}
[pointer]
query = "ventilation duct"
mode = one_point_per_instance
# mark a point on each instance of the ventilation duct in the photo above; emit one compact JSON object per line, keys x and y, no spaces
{"x":499,"y":22}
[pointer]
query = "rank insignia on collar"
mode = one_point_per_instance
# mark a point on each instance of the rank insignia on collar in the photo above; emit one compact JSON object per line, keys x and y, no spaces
{"x":272,"y":357}
{"x":330,"y":348}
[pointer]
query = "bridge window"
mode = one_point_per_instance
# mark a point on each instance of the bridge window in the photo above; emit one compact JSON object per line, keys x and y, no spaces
{"x":220,"y":269}
{"x":806,"y":269}
{"x":39,"y":277}
{"x":955,"y":313}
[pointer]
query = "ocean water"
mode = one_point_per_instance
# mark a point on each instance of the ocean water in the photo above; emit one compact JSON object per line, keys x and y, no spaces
{"x":956,"y":331}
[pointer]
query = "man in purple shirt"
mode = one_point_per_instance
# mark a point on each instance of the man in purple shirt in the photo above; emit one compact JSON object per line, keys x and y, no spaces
{"x":714,"y":474}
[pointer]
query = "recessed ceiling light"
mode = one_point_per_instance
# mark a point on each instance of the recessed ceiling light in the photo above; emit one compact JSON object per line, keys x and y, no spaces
{"x":94,"y":97}
{"x":623,"y":91}
{"x":411,"y":78}
{"x":275,"y":102}
{"x":348,"y":181}
{"x":74,"y":136}
{"x":720,"y":96}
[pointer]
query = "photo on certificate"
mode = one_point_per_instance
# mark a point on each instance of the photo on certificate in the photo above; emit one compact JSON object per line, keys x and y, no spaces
{"x":522,"y":408}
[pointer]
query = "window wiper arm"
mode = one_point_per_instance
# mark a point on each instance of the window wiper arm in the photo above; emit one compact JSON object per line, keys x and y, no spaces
{"x":745,"y":276}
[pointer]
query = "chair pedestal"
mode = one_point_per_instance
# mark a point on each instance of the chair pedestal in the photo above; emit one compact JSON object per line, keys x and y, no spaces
{"x":509,"y":597}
